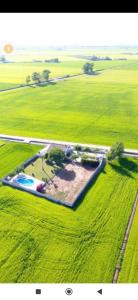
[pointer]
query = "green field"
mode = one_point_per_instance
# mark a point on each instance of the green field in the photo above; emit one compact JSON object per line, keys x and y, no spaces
{"x":129,"y":271}
{"x":14,"y":154}
{"x":14,"y":74}
{"x":41,"y":241}
{"x":96,"y":109}
{"x":44,"y":242}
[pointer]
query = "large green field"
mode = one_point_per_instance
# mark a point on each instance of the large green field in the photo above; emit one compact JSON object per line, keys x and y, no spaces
{"x":41,"y":241}
{"x":44,"y":242}
{"x":96,"y":109}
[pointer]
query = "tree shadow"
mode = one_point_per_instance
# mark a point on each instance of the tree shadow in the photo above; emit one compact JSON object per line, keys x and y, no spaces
{"x":121,"y":170}
{"x":128,"y":164}
{"x":126,"y":167}
{"x":52,"y":83}
{"x":65,"y":174}
{"x":95,"y":73}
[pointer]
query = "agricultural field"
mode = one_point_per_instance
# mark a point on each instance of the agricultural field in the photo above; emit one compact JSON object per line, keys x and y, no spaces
{"x":51,"y":243}
{"x":13,"y":154}
{"x":129,"y":269}
{"x":13,"y":74}
{"x":41,"y":241}
{"x":97,"y":109}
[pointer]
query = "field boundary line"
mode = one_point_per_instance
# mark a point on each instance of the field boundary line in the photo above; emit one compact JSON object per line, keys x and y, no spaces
{"x":125,"y":240}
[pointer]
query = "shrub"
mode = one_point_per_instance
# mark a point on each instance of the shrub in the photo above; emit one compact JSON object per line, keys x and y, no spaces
{"x":78,"y":147}
{"x":87,"y":149}
{"x":74,"y":156}
{"x":86,"y":160}
{"x":19,"y":169}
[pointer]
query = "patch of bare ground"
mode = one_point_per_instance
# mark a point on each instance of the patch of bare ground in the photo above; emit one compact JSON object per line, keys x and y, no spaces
{"x":69,"y":181}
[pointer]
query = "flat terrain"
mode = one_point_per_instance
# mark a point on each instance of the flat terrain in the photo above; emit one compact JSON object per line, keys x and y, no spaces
{"x":44,"y":242}
{"x":69,"y":181}
{"x":13,"y":74}
{"x":41,"y":241}
{"x":129,"y":271}
{"x":96,"y":109}
{"x":41,"y":171}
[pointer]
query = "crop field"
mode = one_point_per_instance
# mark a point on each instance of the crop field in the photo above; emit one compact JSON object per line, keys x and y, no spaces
{"x":129,"y":271}
{"x":13,"y":74}
{"x":96,"y":109}
{"x":14,"y":154}
{"x":44,"y":242}
{"x":41,"y":241}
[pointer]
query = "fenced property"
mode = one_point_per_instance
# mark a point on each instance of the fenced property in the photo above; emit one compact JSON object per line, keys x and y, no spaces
{"x":66,"y":187}
{"x":62,"y":184}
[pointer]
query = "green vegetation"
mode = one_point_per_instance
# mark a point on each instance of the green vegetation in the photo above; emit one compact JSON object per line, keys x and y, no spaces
{"x":46,"y":74}
{"x":13,"y":74}
{"x":88,"y":68}
{"x":12,"y":155}
{"x":115,"y":151}
{"x":76,"y":110}
{"x":41,"y":169}
{"x":88,"y":160}
{"x":129,"y":271}
{"x":51,"y":243}
{"x":48,"y":242}
{"x":78,"y":147}
{"x":56,"y":155}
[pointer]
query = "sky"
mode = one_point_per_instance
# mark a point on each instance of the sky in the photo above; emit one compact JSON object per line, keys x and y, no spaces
{"x":68,"y":29}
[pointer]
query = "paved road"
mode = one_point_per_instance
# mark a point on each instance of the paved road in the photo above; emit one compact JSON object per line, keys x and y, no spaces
{"x":38,"y":141}
{"x":34,"y":84}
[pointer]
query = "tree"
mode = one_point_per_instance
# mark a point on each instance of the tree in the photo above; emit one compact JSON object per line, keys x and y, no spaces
{"x":57,"y":155}
{"x":115,"y":151}
{"x":45,"y":74}
{"x":36,"y":77}
{"x":88,"y":68}
{"x":28,"y":79}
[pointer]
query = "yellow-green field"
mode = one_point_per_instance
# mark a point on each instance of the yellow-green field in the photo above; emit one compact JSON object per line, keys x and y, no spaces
{"x":41,"y":241}
{"x":129,"y":271}
{"x":96,"y":109}
{"x":15,"y":73}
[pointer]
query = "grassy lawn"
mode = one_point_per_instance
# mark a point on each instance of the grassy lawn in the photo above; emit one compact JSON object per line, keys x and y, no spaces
{"x":41,"y":173}
{"x":129,"y":271}
{"x":44,"y":242}
{"x":97,"y":109}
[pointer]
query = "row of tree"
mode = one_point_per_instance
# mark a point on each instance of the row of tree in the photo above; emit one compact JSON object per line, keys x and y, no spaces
{"x":44,"y":76}
{"x":38,"y":77}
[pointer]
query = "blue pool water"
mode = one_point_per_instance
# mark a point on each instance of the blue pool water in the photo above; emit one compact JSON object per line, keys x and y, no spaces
{"x":25,"y":181}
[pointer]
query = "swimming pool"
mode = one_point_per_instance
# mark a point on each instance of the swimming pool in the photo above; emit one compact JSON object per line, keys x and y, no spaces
{"x":24,"y":181}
